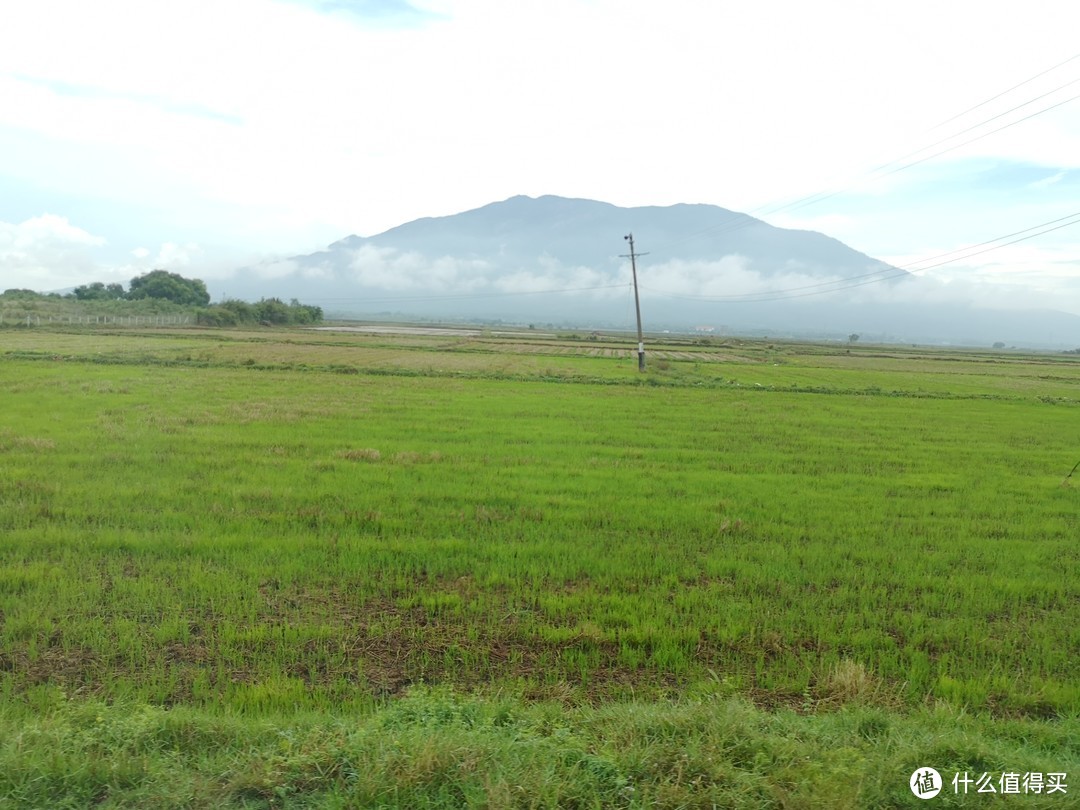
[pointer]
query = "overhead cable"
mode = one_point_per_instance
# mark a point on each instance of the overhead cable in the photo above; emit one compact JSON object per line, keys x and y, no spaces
{"x":886,"y":274}
{"x":740,"y":220}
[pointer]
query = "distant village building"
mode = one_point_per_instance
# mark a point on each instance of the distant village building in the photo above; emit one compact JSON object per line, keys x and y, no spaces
{"x":704,"y":328}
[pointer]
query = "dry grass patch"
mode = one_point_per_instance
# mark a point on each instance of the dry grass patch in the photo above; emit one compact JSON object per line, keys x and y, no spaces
{"x":9,"y":441}
{"x":411,"y":457}
{"x":850,"y":683}
{"x":360,"y":454}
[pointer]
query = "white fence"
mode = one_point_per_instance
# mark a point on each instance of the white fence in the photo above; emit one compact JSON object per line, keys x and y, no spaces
{"x":103,"y":320}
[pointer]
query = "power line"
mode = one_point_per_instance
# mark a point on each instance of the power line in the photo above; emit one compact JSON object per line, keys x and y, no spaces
{"x":1005,"y":92}
{"x":739,"y":220}
{"x":992,"y":118}
{"x":984,"y":135}
{"x":886,"y":273}
{"x":837,"y":285}
{"x":991,"y":241}
{"x":734,"y":223}
{"x":1075,"y":221}
{"x":878,"y":171}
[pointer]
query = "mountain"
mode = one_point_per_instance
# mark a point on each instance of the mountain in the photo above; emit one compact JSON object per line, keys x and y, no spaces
{"x":515,"y":233}
{"x":554,"y":260}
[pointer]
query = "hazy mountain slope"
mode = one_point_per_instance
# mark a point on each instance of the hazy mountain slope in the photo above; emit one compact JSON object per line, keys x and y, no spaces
{"x":554,"y":260}
{"x":516,"y":233}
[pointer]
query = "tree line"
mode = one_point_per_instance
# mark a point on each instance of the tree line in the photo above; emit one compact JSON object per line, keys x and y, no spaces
{"x":269,"y":311}
{"x":159,"y":284}
{"x":162,"y":285}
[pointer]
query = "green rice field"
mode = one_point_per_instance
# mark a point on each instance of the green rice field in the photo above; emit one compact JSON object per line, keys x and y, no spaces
{"x":329,"y":568}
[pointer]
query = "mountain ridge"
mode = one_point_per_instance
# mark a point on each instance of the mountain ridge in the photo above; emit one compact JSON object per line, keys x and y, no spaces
{"x":561,"y":260}
{"x":571,"y":226}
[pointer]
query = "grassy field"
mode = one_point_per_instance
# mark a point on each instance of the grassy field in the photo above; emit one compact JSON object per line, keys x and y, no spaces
{"x":299,"y":567}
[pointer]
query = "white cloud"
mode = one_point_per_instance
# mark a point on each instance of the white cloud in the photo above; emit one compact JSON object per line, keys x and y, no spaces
{"x":1021,"y":275}
{"x":173,"y":257}
{"x":270,"y":126}
{"x":549,"y":274}
{"x":46,"y":232}
{"x":480,"y":91}
{"x":46,"y":252}
{"x":1048,"y":181}
{"x":275,"y":268}
{"x":396,"y":270}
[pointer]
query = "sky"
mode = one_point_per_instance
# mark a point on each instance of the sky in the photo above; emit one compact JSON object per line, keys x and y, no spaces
{"x":203,"y":136}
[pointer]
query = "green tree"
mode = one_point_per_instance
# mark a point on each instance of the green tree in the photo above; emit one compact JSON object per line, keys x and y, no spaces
{"x":272,"y":311}
{"x":268,"y":311}
{"x":216,"y":316}
{"x":169,"y":287}
{"x":304,"y":313}
{"x":20,"y":293}
{"x":242,"y":310}
{"x":99,"y":292}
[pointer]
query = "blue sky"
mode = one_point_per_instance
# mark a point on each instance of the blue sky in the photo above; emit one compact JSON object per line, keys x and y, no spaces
{"x":207,"y":135}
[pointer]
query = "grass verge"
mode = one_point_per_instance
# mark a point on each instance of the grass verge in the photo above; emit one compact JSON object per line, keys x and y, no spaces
{"x":436,"y":749}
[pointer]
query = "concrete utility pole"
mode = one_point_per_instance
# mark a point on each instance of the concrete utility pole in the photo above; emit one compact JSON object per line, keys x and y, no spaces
{"x":637,"y":303}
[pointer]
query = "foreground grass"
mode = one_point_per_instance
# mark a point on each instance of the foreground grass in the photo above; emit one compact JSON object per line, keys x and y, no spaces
{"x":273,"y":538}
{"x":800,"y":569}
{"x":433,"y":749}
